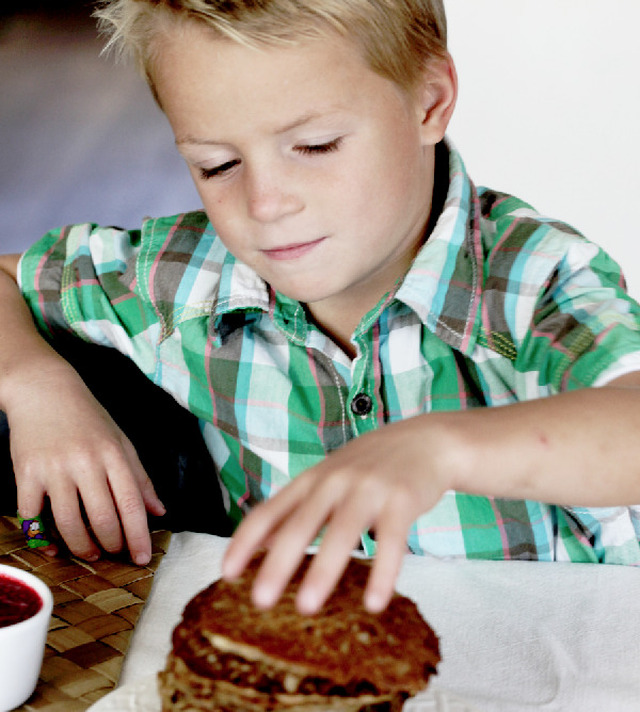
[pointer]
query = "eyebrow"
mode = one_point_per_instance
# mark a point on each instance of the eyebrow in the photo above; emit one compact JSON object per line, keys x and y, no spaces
{"x":301,"y":121}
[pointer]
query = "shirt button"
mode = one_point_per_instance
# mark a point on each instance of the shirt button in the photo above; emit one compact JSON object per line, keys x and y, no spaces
{"x":361,"y":404}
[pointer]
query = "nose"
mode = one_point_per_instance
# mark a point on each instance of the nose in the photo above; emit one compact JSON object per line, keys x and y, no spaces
{"x":271,"y":194}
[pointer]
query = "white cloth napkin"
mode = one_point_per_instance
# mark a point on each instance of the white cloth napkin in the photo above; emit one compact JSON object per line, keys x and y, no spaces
{"x":513,"y":635}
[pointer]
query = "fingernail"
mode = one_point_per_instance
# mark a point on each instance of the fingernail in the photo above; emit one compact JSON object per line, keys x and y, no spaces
{"x":228,"y":573}
{"x":142,"y":559}
{"x":307,"y":602}
{"x":374,"y":602}
{"x":263,"y":596}
{"x":230,"y":569}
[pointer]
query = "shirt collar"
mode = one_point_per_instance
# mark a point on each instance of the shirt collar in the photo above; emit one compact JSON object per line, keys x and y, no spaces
{"x":241,"y":293}
{"x":442,"y":286}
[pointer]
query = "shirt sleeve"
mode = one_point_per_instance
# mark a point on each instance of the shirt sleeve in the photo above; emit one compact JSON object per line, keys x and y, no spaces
{"x":84,"y":279}
{"x":585,"y":328}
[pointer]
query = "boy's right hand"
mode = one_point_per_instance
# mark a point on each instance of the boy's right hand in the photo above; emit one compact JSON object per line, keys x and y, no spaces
{"x":66,"y":446}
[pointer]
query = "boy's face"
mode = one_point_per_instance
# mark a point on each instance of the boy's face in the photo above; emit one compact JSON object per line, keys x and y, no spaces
{"x":313,"y":169}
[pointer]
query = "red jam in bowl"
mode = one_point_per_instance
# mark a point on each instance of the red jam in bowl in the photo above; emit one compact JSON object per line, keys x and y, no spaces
{"x":17,"y":601}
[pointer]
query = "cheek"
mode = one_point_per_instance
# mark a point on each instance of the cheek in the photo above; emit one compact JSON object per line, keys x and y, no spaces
{"x":201,"y":187}
{"x":386,"y":188}
{"x":219,"y":206}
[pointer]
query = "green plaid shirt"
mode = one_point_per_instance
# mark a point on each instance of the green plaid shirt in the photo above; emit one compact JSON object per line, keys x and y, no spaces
{"x":501,"y":305}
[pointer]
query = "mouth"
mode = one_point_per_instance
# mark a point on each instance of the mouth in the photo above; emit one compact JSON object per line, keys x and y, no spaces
{"x":293,"y":251}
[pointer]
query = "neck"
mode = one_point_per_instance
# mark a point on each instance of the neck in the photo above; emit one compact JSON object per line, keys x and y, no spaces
{"x":339,"y":316}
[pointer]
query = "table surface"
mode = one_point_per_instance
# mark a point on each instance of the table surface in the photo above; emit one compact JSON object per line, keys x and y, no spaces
{"x":96,"y":607}
{"x":514,"y":635}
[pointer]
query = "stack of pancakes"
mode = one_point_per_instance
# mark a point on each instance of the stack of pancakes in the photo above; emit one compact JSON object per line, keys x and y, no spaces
{"x":230,"y":656}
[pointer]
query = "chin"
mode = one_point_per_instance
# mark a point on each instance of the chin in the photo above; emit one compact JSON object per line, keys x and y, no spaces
{"x":303,"y":292}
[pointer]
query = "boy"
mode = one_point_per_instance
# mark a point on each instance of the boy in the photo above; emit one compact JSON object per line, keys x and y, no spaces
{"x":347,"y":292}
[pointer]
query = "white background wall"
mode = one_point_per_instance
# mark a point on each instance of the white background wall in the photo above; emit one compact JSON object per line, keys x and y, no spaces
{"x":549,"y":109}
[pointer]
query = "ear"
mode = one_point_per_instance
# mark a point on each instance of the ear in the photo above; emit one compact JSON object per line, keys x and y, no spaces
{"x":436,"y":97}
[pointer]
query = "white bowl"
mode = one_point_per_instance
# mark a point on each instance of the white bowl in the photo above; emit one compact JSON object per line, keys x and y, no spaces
{"x":22,"y":645}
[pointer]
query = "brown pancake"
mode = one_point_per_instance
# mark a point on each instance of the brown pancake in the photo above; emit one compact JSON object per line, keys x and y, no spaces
{"x":229,"y":655}
{"x":184,"y":691}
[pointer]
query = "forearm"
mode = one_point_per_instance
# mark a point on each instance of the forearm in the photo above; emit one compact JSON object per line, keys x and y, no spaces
{"x":24,"y":354}
{"x":580,"y":448}
{"x":575,"y":449}
{"x":64,"y":444}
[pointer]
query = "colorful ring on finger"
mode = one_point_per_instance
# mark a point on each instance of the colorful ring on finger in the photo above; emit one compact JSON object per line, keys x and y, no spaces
{"x":35,"y":532}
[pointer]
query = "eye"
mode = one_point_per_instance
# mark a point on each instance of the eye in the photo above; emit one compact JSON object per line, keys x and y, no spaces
{"x":207,"y":173}
{"x":320,"y":148}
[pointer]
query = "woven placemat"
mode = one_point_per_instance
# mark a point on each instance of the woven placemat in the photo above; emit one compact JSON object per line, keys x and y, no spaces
{"x":95,"y":609}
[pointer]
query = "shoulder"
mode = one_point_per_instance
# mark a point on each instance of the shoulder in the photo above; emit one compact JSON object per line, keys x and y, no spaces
{"x":184,"y":229}
{"x":535,"y":267}
{"x":180,"y":262}
{"x":512,"y":230}
{"x":185,"y":271}
{"x":525,"y":253}
{"x":176,"y":238}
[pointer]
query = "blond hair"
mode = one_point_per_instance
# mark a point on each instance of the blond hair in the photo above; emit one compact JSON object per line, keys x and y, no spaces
{"x":396,"y":37}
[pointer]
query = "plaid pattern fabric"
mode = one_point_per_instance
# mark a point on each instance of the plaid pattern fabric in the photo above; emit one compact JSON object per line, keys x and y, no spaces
{"x":501,"y":305}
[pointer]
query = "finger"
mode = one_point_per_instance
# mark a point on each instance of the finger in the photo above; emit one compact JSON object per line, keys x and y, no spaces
{"x":260,"y":524}
{"x":386,"y":567}
{"x":37,"y":534}
{"x":51,"y":550}
{"x":289,"y":544}
{"x":66,"y":511}
{"x":132,"y":511}
{"x":391,"y":539}
{"x":280,"y":563}
{"x":348,"y":521}
{"x":30,"y":498}
{"x":152,"y":502}
{"x":324,"y":573}
{"x":101,"y":513}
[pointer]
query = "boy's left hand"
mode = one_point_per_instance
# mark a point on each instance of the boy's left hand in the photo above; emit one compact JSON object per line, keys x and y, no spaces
{"x":380,"y":481}
{"x":386,"y":479}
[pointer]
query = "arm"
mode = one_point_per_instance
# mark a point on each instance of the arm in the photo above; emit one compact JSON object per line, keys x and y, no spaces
{"x":554,"y":449}
{"x":63,"y":443}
